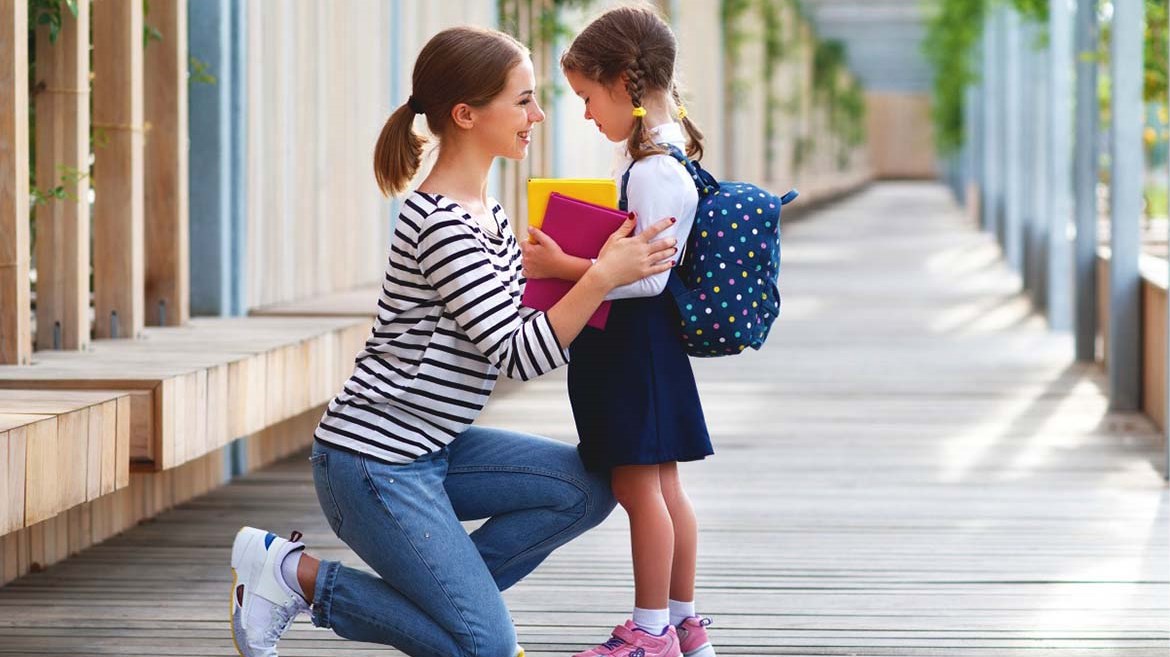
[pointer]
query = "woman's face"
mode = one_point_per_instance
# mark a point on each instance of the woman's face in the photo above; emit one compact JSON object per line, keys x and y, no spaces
{"x":506,"y":122}
{"x":607,"y":105}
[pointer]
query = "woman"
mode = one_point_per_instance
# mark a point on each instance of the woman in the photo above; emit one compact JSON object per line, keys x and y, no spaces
{"x":396,"y":460}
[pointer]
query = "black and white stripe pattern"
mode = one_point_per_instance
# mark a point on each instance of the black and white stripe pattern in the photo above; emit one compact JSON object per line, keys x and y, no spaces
{"x":449,"y":322}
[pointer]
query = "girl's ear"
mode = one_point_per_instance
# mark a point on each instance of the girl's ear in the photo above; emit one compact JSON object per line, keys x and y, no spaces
{"x":617,"y":89}
{"x":463,"y":116}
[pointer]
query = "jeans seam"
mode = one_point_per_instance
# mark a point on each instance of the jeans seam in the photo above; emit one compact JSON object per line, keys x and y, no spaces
{"x":323,"y":606}
{"x":410,"y":541}
{"x":324,"y":461}
{"x":552,"y":474}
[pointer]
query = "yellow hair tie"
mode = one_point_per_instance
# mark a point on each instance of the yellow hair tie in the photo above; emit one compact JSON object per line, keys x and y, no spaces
{"x":682,"y":112}
{"x":639,"y":112}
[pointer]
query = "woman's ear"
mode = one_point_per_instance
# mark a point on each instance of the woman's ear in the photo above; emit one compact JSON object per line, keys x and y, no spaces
{"x":463,"y":116}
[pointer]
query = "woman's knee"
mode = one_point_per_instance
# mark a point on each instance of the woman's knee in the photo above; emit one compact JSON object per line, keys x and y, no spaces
{"x":499,"y":641}
{"x":598,"y":498}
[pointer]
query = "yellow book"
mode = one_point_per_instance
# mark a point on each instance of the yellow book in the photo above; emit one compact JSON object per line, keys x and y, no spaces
{"x":599,"y":191}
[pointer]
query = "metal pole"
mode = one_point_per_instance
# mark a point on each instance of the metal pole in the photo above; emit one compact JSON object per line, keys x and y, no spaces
{"x":1013,"y":228}
{"x":1060,"y":54}
{"x":1085,"y":162}
{"x":1126,"y":206}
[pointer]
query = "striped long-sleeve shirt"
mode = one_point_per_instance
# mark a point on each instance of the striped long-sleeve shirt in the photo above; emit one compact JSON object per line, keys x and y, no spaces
{"x":449,"y":322}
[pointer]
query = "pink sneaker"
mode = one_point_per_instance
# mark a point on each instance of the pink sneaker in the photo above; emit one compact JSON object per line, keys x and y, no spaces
{"x":692,"y":637}
{"x":629,"y":640}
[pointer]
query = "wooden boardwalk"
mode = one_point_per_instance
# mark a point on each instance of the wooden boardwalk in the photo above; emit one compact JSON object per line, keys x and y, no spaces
{"x":913,"y":466}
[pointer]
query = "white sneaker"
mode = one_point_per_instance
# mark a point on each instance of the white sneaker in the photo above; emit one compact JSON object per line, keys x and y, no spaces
{"x":263,"y":606}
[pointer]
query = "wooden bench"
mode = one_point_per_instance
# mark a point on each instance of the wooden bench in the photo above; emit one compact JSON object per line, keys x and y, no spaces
{"x":359,"y":302}
{"x":195,"y":388}
{"x":58,"y":449}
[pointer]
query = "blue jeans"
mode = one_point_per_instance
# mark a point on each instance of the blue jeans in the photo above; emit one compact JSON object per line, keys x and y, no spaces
{"x":437,"y":588}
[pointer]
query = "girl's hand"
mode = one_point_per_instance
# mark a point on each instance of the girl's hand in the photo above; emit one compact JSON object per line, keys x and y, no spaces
{"x":625,"y":259}
{"x":542,"y":259}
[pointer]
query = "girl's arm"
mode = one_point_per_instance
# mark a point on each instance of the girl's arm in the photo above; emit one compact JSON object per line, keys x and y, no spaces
{"x":545,"y":259}
{"x":622,"y":259}
{"x":658,"y":187}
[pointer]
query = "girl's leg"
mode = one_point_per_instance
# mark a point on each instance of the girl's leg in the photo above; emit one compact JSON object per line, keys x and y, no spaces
{"x":638,"y":489}
{"x":432,"y":595}
{"x":686,"y":534}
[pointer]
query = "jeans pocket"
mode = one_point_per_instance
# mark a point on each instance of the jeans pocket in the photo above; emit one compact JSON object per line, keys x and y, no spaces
{"x":320,"y":464}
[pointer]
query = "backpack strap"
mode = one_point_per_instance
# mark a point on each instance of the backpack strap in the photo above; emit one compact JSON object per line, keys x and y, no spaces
{"x":705,"y":184}
{"x":789,"y":197}
{"x":675,"y":284}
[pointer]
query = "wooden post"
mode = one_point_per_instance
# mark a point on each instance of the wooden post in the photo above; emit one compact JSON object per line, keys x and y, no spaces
{"x":62,"y":102}
{"x":15,"y":338}
{"x":118,"y":169}
{"x":167,"y":294}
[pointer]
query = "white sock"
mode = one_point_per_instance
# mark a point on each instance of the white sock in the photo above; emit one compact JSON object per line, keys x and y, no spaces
{"x":288,"y":570}
{"x":653,"y":621}
{"x":680,"y":611}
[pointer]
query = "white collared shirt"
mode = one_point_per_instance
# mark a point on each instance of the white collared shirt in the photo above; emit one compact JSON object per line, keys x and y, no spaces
{"x":659,"y":187}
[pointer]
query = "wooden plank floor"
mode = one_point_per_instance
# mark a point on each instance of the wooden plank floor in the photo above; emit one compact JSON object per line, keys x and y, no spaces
{"x":911,"y":467}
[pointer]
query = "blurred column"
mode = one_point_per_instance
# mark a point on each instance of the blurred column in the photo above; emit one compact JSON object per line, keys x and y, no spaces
{"x":1060,"y":54}
{"x":992,"y":124}
{"x":1085,"y":162}
{"x":1013,"y":155}
{"x":1124,"y":348}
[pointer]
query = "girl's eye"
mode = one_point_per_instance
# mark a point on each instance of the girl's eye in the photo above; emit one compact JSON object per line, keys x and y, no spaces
{"x":526,"y":101}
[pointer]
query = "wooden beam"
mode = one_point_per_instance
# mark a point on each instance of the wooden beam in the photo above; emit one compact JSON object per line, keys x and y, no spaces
{"x":118,"y":169}
{"x":15,"y":338}
{"x":61,"y":94}
{"x":167,"y":251}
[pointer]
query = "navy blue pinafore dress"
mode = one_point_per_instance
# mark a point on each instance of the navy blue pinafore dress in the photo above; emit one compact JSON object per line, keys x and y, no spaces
{"x":632,"y":389}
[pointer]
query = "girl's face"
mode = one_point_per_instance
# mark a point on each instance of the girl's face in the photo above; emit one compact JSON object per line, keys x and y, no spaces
{"x":606,"y":105}
{"x":504,"y":125}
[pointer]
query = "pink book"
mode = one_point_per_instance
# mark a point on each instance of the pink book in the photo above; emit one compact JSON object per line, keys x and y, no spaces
{"x":580,"y":229}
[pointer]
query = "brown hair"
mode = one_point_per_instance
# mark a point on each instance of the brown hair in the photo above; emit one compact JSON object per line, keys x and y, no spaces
{"x":458,"y":65}
{"x":634,"y":44}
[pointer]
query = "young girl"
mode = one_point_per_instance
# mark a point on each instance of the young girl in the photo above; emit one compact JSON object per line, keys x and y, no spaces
{"x":397,"y":461}
{"x":631,"y":386}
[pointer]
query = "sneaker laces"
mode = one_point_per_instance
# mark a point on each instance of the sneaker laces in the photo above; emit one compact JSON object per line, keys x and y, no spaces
{"x":282,"y":617}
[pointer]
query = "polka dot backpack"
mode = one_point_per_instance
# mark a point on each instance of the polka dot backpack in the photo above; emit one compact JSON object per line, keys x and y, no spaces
{"x":725,"y":284}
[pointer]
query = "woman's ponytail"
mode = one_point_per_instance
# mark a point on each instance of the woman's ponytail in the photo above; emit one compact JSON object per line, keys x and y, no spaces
{"x":398,"y":152}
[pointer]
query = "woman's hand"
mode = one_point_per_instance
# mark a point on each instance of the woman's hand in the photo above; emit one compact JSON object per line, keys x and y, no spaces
{"x":625,"y":259}
{"x":542,"y":259}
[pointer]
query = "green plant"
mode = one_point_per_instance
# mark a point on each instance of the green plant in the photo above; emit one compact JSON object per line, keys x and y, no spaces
{"x":735,"y":36}
{"x":550,"y":28}
{"x":200,"y":72}
{"x":48,"y":12}
{"x":949,"y":45}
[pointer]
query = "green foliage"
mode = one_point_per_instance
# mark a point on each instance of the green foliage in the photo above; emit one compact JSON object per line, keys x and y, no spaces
{"x":1155,"y":88}
{"x":48,"y":12}
{"x":200,"y":71}
{"x":828,"y":62}
{"x":550,"y":28}
{"x":951,"y":36}
{"x":1034,"y":10}
{"x":68,"y":176}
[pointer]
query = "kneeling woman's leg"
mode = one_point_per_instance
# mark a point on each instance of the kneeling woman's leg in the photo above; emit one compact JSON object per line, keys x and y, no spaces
{"x":432,"y":594}
{"x":535,"y":492}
